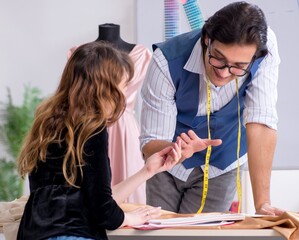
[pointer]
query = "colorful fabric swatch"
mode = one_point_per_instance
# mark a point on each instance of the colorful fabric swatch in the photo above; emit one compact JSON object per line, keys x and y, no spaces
{"x":194,"y":14}
{"x":171,"y":18}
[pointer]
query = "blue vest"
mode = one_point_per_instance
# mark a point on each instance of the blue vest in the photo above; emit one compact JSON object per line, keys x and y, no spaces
{"x":223,"y":123}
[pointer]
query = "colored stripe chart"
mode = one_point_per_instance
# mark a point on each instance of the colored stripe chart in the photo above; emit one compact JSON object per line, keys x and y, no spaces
{"x":171,"y":18}
{"x":193,"y":13}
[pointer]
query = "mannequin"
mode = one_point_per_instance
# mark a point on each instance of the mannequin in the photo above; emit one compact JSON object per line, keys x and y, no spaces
{"x":111,"y":33}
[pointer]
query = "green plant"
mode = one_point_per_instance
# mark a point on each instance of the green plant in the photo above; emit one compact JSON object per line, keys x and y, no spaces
{"x":17,"y":120}
{"x":9,"y":180}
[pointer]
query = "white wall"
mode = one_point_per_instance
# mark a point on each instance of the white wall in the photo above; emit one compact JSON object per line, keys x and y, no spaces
{"x":283,"y":192}
{"x":36,"y":35}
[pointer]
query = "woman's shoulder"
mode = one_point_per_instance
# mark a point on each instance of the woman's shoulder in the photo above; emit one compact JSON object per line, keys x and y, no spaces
{"x":100,"y":135}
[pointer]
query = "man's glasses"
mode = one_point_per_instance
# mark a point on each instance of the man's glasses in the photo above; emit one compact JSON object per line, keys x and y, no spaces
{"x":220,"y":64}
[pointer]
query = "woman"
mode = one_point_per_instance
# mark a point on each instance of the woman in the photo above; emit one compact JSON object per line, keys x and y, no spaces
{"x":65,"y":153}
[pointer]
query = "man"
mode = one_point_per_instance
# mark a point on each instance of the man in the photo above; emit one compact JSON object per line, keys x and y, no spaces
{"x":218,"y":82}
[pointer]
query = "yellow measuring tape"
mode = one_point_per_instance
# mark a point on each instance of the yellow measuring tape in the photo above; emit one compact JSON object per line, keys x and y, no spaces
{"x":209,"y":150}
{"x":208,"y":154}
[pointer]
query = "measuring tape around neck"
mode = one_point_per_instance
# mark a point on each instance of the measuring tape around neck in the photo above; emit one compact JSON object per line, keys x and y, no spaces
{"x":209,"y":150}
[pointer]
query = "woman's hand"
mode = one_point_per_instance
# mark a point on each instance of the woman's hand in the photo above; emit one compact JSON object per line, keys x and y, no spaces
{"x":141,"y":215}
{"x":191,"y":143}
{"x":158,"y":162}
{"x":164,"y":160}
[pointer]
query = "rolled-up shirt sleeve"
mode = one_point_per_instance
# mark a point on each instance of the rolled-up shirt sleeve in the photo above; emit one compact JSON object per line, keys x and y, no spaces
{"x":158,"y":115}
{"x":261,"y":95}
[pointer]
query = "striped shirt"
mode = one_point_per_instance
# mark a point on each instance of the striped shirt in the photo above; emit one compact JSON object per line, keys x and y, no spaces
{"x":159,"y":112}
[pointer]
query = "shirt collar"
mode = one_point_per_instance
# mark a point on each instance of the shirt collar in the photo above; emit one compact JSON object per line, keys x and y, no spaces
{"x":195,"y":62}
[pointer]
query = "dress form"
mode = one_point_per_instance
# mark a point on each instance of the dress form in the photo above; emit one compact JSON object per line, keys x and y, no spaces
{"x":123,"y":136}
{"x":110,"y":32}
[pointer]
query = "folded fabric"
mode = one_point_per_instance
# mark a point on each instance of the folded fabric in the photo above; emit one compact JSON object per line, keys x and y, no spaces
{"x":286,"y":224}
{"x":10,"y":216}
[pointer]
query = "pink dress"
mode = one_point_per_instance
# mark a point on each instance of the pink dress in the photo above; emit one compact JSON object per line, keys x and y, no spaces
{"x":124,"y":152}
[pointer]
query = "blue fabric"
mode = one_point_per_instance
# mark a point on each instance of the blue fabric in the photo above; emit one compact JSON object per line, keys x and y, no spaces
{"x":69,"y":238}
{"x":223,"y":123}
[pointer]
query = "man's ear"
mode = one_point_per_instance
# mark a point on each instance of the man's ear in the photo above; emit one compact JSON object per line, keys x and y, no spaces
{"x":206,"y":40}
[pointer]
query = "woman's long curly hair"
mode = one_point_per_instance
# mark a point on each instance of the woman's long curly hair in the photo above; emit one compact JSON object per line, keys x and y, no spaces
{"x":87,"y":100}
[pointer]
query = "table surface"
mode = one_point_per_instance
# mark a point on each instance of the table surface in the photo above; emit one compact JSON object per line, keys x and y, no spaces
{"x":202,"y":234}
{"x":191,"y":234}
